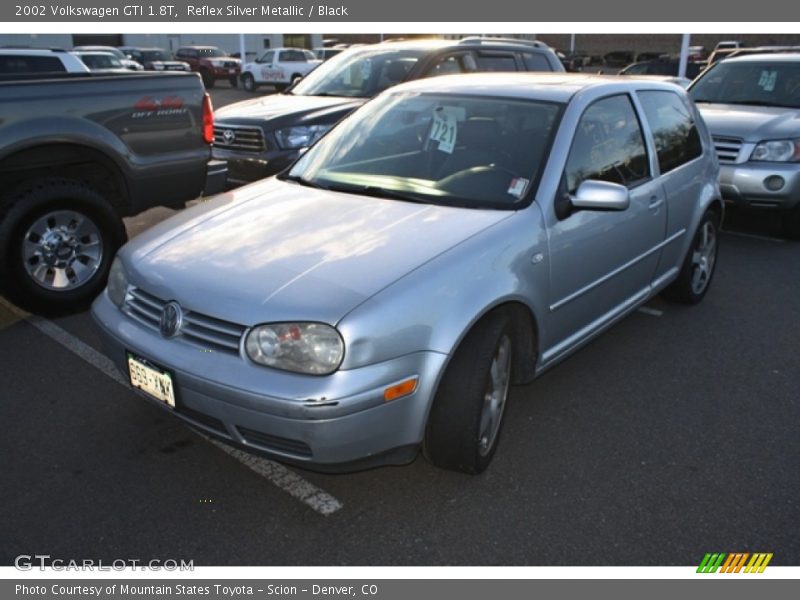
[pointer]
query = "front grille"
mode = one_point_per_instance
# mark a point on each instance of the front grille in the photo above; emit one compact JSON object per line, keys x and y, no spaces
{"x":229,"y":65}
{"x":247,"y":139}
{"x":273,"y":442}
{"x":727,"y":149}
{"x":205,"y":331}
{"x":203,"y":419}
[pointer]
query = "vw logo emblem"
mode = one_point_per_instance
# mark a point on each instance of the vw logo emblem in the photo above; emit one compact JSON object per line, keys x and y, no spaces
{"x":229,"y":135}
{"x":171,"y":319}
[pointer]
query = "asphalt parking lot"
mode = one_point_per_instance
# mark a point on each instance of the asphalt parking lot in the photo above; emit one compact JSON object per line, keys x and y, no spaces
{"x":673,"y":435}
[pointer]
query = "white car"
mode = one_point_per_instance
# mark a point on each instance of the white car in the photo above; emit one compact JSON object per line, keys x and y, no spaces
{"x":36,"y":60}
{"x":279,"y":67}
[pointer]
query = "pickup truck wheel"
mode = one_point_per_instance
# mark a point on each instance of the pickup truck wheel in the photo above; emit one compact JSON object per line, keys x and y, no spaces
{"x":467,"y":414}
{"x":698,"y":267}
{"x":234,"y":81}
{"x":791,"y":224}
{"x":57,"y":240}
{"x":248,"y":82}
{"x":208,"y":79}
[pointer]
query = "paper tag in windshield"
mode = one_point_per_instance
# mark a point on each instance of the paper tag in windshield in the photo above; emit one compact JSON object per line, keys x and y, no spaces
{"x":444,"y":128}
{"x":767,"y":80}
{"x":517,"y":187}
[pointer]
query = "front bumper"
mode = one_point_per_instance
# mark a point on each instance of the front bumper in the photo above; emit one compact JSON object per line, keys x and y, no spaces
{"x":225,"y":72}
{"x":744,"y":184}
{"x":337,"y":421}
{"x":246,"y":168}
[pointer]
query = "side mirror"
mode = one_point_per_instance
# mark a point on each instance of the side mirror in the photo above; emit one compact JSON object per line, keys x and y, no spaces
{"x":601,"y":195}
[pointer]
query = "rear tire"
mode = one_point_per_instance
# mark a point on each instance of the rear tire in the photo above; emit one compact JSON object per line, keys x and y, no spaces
{"x":57,"y":240}
{"x":466,"y":417}
{"x":700,"y":263}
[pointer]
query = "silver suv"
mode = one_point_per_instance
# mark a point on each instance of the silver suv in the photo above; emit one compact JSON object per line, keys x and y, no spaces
{"x":752,"y":107}
{"x":453,"y":237}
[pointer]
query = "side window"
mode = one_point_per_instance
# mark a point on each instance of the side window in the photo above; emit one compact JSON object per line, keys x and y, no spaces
{"x":496,"y":62}
{"x":536,"y":62}
{"x":268,"y":57}
{"x":293,"y":56}
{"x":675,"y":134}
{"x":447,"y":65}
{"x":30,"y":64}
{"x":608,"y":145}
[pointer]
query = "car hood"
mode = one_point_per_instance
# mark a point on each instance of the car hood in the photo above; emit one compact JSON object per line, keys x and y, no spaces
{"x":277,"y":251}
{"x":282,"y":105}
{"x":750,"y":123}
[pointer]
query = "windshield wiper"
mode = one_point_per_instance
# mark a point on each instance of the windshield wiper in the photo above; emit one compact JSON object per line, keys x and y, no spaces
{"x":378,"y":192}
{"x":302,"y":181}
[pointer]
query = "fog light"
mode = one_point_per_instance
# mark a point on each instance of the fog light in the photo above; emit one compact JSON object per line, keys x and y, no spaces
{"x":774,"y":182}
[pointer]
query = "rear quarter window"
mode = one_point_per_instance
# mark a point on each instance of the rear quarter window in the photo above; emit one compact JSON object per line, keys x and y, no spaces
{"x":674,"y":131}
{"x":31,"y":64}
{"x":536,"y":62}
{"x":496,"y":62}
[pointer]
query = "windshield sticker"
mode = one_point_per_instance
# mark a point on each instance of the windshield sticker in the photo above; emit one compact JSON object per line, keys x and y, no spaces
{"x":445,"y":126}
{"x":767,"y":80}
{"x":517,"y":187}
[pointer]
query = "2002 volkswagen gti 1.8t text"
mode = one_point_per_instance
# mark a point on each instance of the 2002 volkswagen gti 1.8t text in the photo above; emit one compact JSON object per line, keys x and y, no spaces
{"x":452,"y":237}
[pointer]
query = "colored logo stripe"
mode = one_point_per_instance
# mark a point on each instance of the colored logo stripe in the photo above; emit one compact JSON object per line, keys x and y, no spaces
{"x":734,"y":562}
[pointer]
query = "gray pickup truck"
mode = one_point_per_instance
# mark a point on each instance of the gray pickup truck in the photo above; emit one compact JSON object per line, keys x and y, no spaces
{"x":78,"y":153}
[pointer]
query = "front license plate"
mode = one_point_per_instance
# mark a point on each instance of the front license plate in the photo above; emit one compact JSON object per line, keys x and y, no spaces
{"x":153,"y":382}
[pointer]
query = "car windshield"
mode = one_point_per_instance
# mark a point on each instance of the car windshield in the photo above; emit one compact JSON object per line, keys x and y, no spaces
{"x":211,"y":53}
{"x":762,"y":83}
{"x":156,"y":55}
{"x":361,"y":73}
{"x":101,"y":61}
{"x":468,"y":151}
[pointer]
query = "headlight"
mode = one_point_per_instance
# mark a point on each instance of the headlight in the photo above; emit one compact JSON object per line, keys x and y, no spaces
{"x":311,"y":348}
{"x":117,"y":282}
{"x":300,"y":137}
{"x":777,"y":151}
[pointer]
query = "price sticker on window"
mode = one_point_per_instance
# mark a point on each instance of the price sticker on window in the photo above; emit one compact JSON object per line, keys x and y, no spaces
{"x":767,"y":80}
{"x":444,"y":128}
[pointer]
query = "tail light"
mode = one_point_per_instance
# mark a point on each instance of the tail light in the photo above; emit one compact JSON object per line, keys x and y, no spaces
{"x":208,"y":119}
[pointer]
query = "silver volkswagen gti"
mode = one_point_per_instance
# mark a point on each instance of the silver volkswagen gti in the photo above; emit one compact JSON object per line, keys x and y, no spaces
{"x":451,"y":238}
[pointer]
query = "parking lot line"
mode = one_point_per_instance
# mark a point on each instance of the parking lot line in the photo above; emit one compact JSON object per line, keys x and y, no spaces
{"x":653,"y":312}
{"x":753,"y":236}
{"x":280,"y":476}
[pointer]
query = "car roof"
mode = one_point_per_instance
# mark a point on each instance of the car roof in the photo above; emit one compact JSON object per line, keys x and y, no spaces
{"x":765,"y":56}
{"x":469,"y":42}
{"x":553,"y":87}
{"x":32,"y":51}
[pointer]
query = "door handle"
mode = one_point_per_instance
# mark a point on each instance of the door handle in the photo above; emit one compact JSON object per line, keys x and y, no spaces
{"x":655,"y":202}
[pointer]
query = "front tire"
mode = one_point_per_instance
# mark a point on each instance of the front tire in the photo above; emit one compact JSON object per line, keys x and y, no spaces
{"x":57,"y":240}
{"x":699,"y":265}
{"x":208,"y":79}
{"x":466,"y":418}
{"x":248,"y":82}
{"x":234,"y":81}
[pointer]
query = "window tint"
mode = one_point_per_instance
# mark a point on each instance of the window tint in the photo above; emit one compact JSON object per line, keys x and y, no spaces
{"x":267,"y":57}
{"x":676,"y":136}
{"x":608,"y":146}
{"x":448,"y":65}
{"x":496,"y":62}
{"x":30,"y":64}
{"x":536,"y":62}
{"x":293,"y":56}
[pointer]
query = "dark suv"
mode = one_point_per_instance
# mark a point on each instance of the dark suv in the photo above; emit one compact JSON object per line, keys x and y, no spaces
{"x":262,"y":136}
{"x":212,"y":64}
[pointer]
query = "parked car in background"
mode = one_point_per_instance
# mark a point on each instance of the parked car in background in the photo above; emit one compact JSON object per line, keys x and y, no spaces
{"x":17,"y":63}
{"x":728,"y":45}
{"x":156,"y":59}
{"x":126,"y":61}
{"x":77,"y":154}
{"x":212,"y":64}
{"x":263,"y":136}
{"x":102,"y":62}
{"x":278,"y":67}
{"x":326,"y":53}
{"x":663,"y":66}
{"x":618,"y":58}
{"x":752,"y":107}
{"x":453,"y":237}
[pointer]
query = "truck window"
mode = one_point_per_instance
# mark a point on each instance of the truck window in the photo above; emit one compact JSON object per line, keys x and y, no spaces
{"x":31,"y":64}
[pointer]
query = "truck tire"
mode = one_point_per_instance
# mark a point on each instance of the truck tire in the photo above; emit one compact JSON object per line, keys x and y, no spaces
{"x":57,"y":240}
{"x":466,"y":417}
{"x":208,"y":79}
{"x":234,"y":81}
{"x":249,"y":82}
